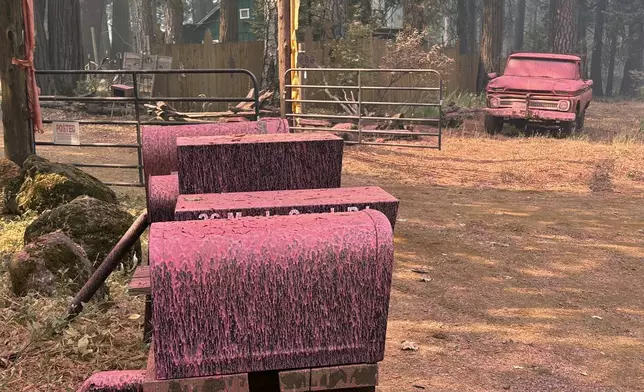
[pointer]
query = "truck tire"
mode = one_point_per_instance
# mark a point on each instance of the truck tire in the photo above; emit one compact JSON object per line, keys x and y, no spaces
{"x":520,"y":125}
{"x":581,"y":118}
{"x":493,"y":124}
{"x":568,"y":128}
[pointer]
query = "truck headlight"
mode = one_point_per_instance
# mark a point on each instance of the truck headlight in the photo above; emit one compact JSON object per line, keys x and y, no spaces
{"x":563,"y":105}
{"x":495,"y":102}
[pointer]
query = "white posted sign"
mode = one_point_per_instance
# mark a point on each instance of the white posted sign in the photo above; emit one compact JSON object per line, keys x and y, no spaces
{"x":67,"y":133}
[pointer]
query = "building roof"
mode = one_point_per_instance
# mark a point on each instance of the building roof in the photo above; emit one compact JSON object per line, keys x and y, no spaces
{"x":549,"y":56}
{"x":211,"y":13}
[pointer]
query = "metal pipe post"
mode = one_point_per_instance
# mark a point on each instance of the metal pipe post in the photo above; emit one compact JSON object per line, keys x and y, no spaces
{"x":108,"y":265}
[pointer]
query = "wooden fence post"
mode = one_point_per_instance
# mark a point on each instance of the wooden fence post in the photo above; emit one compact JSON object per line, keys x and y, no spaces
{"x":18,"y":133}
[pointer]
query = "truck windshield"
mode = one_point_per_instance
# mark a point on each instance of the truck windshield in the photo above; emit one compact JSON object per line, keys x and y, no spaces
{"x":540,"y":68}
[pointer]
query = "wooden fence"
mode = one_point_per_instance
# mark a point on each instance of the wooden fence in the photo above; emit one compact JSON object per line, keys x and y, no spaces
{"x":246,"y":55}
{"x":249,"y":55}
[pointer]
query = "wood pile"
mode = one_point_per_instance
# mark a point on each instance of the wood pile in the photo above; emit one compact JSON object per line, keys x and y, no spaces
{"x":243,"y":111}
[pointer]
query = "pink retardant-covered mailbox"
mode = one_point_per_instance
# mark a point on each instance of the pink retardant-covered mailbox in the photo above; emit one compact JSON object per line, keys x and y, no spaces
{"x":249,"y":163}
{"x":162,"y":197}
{"x":159,"y":143}
{"x":116,"y":381}
{"x":256,"y":294}
{"x":305,"y":201}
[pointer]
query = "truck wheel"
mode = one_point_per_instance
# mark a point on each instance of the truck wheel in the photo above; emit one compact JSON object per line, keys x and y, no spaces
{"x":580,"y":120}
{"x":493,"y":124}
{"x":520,"y":125}
{"x":568,"y":128}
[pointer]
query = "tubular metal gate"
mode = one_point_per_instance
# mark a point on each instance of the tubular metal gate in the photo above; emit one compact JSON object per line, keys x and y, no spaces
{"x":426,"y":123}
{"x":136,"y":99}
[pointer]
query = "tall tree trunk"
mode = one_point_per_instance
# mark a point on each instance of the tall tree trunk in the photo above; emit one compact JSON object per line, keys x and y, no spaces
{"x":534,"y":25}
{"x":41,"y":56}
{"x":174,"y":22}
{"x":270,"y":79}
{"x":635,"y":46}
{"x":200,"y":9}
{"x":228,"y":21}
{"x":336,"y":18}
{"x":365,"y":11}
{"x":508,"y":31}
{"x":491,"y":40}
{"x":149,"y":18}
{"x":519,"y":26}
{"x":106,"y":44}
{"x":463,"y":27}
{"x":610,"y":77}
{"x":92,"y":15}
{"x":550,"y":21}
{"x":471,"y":24}
{"x":598,"y":49}
{"x":414,"y":15}
{"x":565,"y":27}
{"x":18,"y":136}
{"x":581,"y":46}
{"x":142,"y":21}
{"x":583,"y":16}
{"x":65,"y":45}
{"x":136,"y":24}
{"x":121,"y":30}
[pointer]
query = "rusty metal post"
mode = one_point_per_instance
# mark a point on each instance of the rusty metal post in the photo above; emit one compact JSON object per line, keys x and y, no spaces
{"x":284,"y":51}
{"x":107,"y":266}
{"x":301,"y":74}
{"x":359,"y":107}
{"x":147,"y":322}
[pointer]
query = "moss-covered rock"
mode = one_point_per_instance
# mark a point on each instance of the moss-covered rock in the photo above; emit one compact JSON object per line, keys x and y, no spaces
{"x":93,"y":224}
{"x":9,"y":175}
{"x":49,"y":262}
{"x":44,"y":185}
{"x":8,"y":171}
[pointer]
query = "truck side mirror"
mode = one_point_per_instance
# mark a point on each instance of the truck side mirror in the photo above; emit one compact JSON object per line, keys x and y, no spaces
{"x":492,"y":75}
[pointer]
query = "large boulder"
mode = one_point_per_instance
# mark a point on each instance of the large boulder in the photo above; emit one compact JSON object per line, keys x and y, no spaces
{"x":9,"y":172}
{"x":49,"y":262}
{"x":44,"y":185}
{"x":93,"y":224}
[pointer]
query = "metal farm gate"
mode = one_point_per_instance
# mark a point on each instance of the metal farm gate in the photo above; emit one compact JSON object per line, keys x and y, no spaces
{"x":371,"y":106}
{"x":135,"y":98}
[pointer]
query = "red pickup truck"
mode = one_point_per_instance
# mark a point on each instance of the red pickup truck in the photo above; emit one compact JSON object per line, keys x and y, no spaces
{"x":539,"y":89}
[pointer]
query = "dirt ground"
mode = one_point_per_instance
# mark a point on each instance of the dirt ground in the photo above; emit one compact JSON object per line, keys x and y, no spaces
{"x":519,"y":266}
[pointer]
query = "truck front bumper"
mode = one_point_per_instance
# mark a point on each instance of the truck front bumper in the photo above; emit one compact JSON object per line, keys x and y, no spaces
{"x":532,"y":114}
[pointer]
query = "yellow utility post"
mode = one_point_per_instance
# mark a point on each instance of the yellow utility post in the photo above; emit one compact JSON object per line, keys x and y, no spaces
{"x":288,"y":14}
{"x":295,"y":77}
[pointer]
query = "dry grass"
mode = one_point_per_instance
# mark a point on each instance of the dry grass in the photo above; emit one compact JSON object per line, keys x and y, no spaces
{"x":525,"y":240}
{"x":37,"y":352}
{"x":537,"y":164}
{"x":615,"y":121}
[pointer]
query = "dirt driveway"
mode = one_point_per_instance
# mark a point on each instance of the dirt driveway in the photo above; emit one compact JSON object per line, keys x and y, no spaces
{"x":519,"y":266}
{"x":527,"y":291}
{"x":529,"y":280}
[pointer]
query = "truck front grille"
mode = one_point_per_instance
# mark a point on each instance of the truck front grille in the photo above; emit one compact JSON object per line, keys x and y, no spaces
{"x":536,"y":104}
{"x":544,"y":105}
